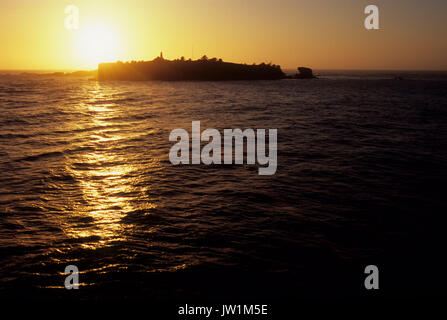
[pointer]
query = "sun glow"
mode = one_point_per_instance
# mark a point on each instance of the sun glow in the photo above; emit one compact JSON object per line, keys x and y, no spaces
{"x":97,"y":43}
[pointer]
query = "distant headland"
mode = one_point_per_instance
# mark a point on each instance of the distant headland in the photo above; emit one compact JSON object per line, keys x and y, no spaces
{"x":203,"y":69}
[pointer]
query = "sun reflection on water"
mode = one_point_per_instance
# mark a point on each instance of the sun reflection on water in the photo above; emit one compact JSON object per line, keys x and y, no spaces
{"x":105,"y":176}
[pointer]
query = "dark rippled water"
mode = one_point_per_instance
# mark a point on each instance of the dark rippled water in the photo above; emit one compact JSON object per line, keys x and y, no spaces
{"x":86,"y":180}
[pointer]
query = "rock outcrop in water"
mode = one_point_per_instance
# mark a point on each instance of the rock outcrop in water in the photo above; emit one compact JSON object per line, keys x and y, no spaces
{"x":304,"y":73}
{"x":181,"y":69}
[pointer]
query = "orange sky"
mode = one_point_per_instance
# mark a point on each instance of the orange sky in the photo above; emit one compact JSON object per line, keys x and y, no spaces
{"x":322,"y":34}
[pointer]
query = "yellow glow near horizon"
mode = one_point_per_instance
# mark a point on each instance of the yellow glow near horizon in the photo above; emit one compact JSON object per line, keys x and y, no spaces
{"x":97,"y":42}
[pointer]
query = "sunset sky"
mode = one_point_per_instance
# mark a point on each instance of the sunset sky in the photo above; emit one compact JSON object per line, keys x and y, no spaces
{"x":322,"y":34}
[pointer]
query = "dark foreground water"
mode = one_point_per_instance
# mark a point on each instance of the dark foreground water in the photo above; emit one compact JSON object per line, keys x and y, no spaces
{"x":86,"y":180}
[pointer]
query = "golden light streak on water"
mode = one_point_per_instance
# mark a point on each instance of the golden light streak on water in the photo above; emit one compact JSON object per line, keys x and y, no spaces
{"x":104,"y":176}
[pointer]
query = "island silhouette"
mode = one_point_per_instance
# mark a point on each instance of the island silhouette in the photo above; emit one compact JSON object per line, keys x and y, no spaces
{"x":203,"y":69}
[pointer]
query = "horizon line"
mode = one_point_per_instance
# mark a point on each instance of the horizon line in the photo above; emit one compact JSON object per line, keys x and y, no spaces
{"x":284,"y":68}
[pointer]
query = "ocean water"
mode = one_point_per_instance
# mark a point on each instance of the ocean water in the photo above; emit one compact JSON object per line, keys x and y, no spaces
{"x":86,"y":180}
